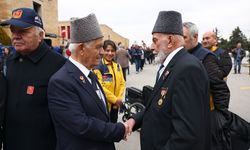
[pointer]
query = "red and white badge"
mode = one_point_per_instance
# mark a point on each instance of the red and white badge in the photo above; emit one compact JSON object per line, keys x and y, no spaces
{"x":30,"y":90}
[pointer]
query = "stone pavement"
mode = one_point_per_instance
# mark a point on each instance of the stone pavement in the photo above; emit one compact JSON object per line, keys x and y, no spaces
{"x":239,"y":85}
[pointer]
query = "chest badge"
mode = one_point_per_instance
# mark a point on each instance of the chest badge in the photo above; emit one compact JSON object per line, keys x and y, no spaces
{"x":164,"y":92}
{"x":160,"y":101}
{"x":82,"y":79}
{"x":30,"y":90}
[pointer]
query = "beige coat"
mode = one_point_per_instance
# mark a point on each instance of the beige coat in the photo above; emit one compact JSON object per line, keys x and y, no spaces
{"x":122,"y":57}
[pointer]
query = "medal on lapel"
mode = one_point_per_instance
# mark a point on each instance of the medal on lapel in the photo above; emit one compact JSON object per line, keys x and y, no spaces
{"x":165,"y":74}
{"x":160,"y":101}
{"x":164,"y":92}
{"x":82,"y":79}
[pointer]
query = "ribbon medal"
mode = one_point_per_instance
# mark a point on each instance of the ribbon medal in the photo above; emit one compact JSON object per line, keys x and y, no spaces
{"x":164,"y":92}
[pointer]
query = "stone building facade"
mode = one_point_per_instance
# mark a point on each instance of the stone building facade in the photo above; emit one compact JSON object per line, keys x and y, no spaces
{"x":58,"y":32}
{"x":47,"y":9}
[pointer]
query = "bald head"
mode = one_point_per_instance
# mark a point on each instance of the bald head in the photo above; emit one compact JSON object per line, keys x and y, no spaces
{"x":209,"y":39}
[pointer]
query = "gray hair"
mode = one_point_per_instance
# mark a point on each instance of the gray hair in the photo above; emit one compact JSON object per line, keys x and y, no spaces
{"x":180,"y":39}
{"x":191,"y":27}
{"x":73,"y":46}
{"x":39,"y":29}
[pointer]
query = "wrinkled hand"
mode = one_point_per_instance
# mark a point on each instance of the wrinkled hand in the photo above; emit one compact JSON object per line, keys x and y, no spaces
{"x":130,"y":123}
{"x":126,"y":131}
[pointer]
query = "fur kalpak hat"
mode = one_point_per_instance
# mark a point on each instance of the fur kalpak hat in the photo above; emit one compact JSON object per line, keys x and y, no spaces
{"x":85,"y":29}
{"x":168,"y":22}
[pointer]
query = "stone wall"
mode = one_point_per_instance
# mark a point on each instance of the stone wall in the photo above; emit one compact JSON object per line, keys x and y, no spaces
{"x":48,"y":12}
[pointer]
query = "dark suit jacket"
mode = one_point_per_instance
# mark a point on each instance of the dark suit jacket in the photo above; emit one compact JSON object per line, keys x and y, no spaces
{"x":2,"y":102}
{"x":80,"y":118}
{"x":2,"y":96}
{"x":28,"y":125}
{"x":177,"y":116}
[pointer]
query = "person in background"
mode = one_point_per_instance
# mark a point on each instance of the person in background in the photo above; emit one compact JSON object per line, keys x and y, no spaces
{"x":219,"y":91}
{"x":77,"y":102}
{"x":122,"y":58}
{"x":6,"y":55}
{"x":136,"y":52}
{"x":58,"y":49}
{"x":210,"y":41}
{"x":177,"y":116}
{"x":28,"y":124}
{"x":238,"y":54}
{"x":229,"y":131}
{"x":110,"y":75}
{"x":142,"y":57}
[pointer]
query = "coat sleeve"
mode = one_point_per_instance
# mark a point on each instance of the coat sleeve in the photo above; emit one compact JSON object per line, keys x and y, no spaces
{"x":218,"y":87}
{"x":225,"y":64}
{"x":190,"y":101}
{"x":67,"y":111}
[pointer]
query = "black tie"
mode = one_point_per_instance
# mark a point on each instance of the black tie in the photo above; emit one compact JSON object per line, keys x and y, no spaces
{"x":158,"y":73}
{"x":93,"y":79}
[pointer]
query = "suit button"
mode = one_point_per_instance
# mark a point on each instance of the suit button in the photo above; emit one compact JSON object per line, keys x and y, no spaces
{"x":20,"y":59}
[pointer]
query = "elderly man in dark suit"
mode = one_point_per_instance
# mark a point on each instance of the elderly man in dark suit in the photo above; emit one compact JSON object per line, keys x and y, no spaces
{"x":28,"y":125}
{"x":76,"y":99}
{"x":177,"y":115}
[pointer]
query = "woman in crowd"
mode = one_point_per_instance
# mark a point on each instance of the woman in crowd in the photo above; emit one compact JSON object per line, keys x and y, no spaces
{"x":110,"y":76}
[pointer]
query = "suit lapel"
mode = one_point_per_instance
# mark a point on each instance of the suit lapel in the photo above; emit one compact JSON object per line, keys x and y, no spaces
{"x":84,"y":82}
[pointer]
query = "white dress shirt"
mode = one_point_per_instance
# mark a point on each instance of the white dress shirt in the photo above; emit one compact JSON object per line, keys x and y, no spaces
{"x":168,"y":59}
{"x":86,"y":72}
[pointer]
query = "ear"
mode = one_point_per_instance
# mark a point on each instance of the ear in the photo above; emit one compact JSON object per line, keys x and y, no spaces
{"x":82,"y":48}
{"x":170,"y":41}
{"x":41,"y":35}
{"x":196,"y":36}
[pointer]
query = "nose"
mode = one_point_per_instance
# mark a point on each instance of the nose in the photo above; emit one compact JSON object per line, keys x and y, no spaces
{"x":152,"y":46}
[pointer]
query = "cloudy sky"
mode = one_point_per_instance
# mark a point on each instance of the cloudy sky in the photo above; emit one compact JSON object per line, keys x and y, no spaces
{"x":134,"y":19}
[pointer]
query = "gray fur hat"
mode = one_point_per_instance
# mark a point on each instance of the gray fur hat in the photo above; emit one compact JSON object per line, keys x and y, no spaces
{"x":85,"y":29}
{"x":168,"y":22}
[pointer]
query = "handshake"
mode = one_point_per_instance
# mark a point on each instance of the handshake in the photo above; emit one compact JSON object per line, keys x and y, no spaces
{"x":129,"y":124}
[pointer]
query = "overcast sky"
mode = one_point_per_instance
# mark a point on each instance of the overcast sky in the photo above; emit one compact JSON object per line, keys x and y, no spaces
{"x":134,"y":19}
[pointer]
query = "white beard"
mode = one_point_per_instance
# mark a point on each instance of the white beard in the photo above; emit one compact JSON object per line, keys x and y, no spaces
{"x":161,"y":56}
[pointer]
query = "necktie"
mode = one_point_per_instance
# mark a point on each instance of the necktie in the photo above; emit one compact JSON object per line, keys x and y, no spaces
{"x":93,"y":79}
{"x":158,"y":73}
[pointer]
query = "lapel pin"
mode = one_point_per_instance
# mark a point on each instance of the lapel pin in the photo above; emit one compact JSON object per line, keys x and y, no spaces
{"x":165,"y":75}
{"x":82,"y":78}
{"x":30,"y":90}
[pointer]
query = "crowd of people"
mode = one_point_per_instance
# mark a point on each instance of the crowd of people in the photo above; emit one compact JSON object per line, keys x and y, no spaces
{"x":49,"y":102}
